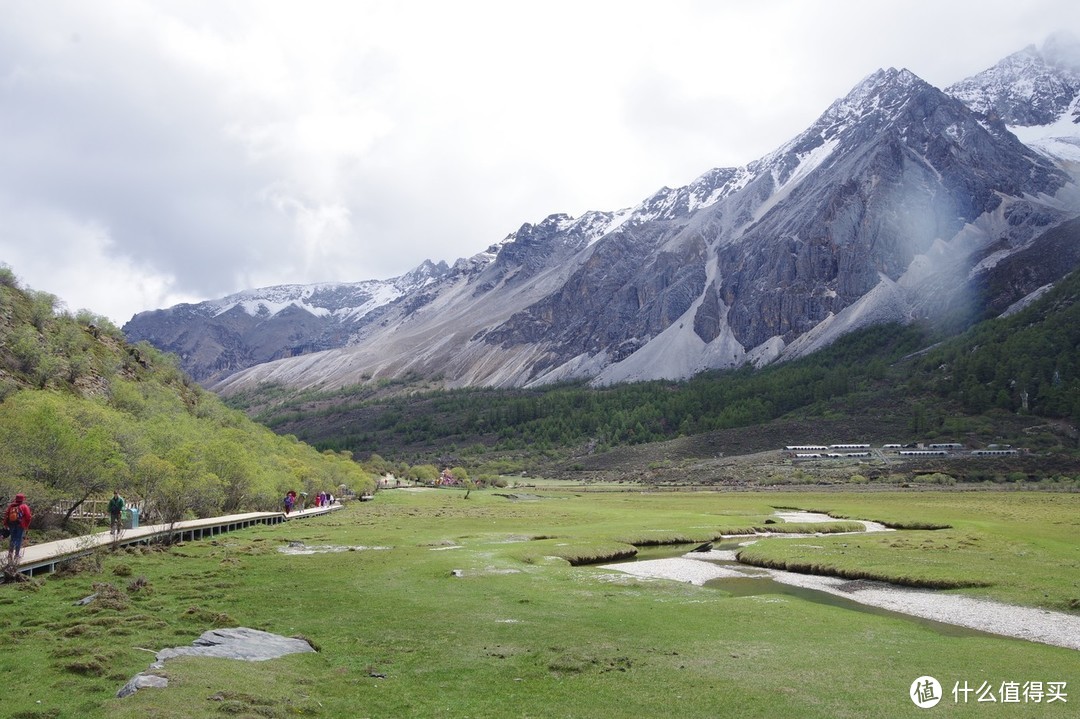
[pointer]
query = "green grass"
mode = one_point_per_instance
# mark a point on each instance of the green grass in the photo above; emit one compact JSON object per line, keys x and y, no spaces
{"x":1018,"y":547}
{"x":522,"y":632}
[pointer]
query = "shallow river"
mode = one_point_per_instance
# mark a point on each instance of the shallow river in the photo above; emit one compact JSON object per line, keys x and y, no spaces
{"x":951,"y":614}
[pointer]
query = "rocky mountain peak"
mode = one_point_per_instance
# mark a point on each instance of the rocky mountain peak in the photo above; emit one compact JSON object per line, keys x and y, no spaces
{"x":1034,"y":86}
{"x":427,"y":271}
{"x":896,"y":204}
{"x":881,"y":93}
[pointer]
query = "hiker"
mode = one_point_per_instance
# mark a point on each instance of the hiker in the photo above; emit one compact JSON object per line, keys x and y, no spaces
{"x":116,"y":508}
{"x":17,"y":520}
{"x":290,"y":500}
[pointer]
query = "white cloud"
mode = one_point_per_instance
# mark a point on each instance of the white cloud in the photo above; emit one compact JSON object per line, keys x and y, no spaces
{"x":81,"y":255}
{"x":198,"y":148}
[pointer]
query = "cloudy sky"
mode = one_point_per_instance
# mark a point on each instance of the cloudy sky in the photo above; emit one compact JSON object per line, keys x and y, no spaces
{"x":153,"y":153}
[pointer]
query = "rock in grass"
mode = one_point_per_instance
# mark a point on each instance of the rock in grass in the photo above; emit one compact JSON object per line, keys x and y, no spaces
{"x":142,"y":681}
{"x":242,"y":643}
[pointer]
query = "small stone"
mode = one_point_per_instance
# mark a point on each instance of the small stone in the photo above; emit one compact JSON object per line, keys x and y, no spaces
{"x":142,"y":681}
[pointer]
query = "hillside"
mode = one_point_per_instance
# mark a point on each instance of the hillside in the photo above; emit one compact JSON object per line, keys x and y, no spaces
{"x":1011,"y":380}
{"x":83,"y":412}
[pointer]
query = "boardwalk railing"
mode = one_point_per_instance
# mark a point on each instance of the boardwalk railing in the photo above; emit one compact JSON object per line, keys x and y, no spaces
{"x":49,"y":555}
{"x":93,"y":508}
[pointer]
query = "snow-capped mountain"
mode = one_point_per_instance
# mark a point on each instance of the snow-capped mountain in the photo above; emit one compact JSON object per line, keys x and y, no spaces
{"x":218,"y":337}
{"x":1036,"y":93}
{"x":1031,"y":87}
{"x":900,"y":202}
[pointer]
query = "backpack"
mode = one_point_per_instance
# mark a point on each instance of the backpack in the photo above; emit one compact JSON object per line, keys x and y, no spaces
{"x":14,"y":515}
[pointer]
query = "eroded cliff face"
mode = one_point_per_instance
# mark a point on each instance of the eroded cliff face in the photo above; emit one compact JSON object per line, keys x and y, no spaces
{"x":900,"y":202}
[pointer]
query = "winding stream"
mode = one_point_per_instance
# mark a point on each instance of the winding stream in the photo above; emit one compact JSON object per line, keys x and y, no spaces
{"x":949,"y":614}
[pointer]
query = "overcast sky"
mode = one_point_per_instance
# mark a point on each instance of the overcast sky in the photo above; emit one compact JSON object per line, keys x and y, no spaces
{"x":153,"y":153}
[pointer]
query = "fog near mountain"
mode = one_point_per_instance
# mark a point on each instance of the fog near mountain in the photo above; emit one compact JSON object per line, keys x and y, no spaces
{"x":902,"y":202}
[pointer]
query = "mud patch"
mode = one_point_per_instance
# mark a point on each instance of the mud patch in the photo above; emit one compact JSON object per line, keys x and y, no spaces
{"x":301,"y":548}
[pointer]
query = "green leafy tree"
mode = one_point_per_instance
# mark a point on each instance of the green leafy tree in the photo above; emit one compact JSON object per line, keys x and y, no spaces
{"x":426,"y":473}
{"x":67,"y":448}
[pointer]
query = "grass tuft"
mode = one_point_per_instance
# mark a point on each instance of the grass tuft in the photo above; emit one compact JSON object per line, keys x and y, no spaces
{"x":92,"y":667}
{"x":827,"y":570}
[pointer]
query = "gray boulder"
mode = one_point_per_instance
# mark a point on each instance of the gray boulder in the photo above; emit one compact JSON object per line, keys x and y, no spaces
{"x":242,"y":643}
{"x":142,"y":681}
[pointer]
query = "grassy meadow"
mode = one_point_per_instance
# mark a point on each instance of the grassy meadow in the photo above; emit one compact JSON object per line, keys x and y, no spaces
{"x":433,"y":605}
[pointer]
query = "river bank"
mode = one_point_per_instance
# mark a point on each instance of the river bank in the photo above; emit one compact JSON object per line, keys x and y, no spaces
{"x":1028,"y":623}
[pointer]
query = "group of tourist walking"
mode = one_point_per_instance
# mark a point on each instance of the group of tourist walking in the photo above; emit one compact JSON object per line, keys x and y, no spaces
{"x":292,"y":501}
{"x":17,"y":517}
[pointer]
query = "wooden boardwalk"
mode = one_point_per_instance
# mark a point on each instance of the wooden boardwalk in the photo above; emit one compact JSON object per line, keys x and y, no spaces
{"x":45,"y":557}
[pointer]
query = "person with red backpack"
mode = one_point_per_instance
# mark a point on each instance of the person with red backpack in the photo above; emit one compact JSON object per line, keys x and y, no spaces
{"x":17,"y":520}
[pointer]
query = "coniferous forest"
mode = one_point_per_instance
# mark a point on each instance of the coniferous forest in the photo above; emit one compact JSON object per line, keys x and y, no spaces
{"x":1024,"y":365}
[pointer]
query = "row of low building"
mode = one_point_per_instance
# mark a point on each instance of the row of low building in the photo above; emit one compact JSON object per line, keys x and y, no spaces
{"x":823,"y":447}
{"x":863,"y":450}
{"x":850,"y":450}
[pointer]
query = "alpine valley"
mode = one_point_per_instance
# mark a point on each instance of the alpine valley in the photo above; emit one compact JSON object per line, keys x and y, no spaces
{"x":902,"y":202}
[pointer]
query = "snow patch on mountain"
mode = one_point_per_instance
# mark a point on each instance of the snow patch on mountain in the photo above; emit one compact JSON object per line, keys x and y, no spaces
{"x":607,"y":223}
{"x":1032,"y":87}
{"x":269,"y":301}
{"x":807,"y":163}
{"x":1059,"y":139}
{"x":867,"y":98}
{"x":343,"y":300}
{"x":1036,"y":93}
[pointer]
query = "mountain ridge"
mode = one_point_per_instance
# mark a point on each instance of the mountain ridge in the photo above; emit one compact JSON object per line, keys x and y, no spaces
{"x":894,"y":205}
